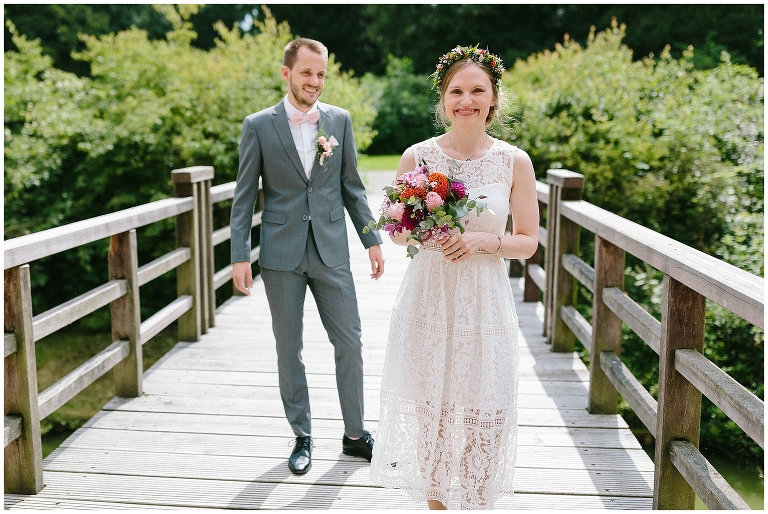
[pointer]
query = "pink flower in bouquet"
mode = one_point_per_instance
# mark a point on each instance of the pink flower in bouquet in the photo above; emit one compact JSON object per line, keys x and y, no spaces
{"x":396,"y":211}
{"x":421,"y":181}
{"x":459,"y":189}
{"x":433,"y":200}
{"x":418,"y":178}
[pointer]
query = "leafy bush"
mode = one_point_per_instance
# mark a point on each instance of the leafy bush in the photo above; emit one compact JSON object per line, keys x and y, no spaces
{"x":674,"y":149}
{"x":76,"y":148}
{"x":405,"y":105}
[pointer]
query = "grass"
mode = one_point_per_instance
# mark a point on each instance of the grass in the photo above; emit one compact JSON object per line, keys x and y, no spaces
{"x":65,"y":350}
{"x":378,"y":162}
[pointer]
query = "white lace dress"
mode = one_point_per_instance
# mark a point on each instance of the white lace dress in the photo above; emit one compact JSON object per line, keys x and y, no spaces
{"x":448,"y":419}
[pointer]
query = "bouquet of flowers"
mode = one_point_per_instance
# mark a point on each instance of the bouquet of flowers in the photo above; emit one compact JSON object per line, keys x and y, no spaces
{"x":428,"y":204}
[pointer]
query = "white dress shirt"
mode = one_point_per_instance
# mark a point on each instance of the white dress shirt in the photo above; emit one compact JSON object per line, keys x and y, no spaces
{"x":304,"y":135}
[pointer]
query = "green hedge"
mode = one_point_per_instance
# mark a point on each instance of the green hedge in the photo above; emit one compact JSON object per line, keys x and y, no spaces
{"x":405,"y":108}
{"x":76,"y":148}
{"x":672,"y":148}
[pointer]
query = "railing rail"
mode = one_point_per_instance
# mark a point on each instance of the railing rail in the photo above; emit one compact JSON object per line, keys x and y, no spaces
{"x":554,"y":273}
{"x":193,"y":309}
{"x":690,"y":278}
{"x":29,"y":248}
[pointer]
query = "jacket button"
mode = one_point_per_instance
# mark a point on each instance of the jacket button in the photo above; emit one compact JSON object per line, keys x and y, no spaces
{"x":309,"y":189}
{"x":305,"y":217}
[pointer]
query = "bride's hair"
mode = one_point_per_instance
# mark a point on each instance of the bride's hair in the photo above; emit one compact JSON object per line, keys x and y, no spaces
{"x":498,"y":97}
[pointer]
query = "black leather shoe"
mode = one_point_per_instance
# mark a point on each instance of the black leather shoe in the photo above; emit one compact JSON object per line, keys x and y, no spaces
{"x":301,"y":459}
{"x":362,"y":447}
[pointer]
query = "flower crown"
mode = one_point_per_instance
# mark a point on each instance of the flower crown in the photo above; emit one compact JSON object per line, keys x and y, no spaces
{"x":483,"y":57}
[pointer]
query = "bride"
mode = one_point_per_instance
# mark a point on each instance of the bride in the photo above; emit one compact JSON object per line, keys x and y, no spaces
{"x":448,"y":420}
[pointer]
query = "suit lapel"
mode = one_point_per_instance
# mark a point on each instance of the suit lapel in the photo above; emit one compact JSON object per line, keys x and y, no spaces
{"x":323,"y":122}
{"x":280,"y":122}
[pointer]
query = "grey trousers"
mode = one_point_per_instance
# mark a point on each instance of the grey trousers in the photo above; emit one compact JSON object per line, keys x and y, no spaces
{"x":334,"y":293}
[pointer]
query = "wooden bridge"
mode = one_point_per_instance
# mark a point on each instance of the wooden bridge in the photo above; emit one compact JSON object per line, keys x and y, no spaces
{"x":204,"y":427}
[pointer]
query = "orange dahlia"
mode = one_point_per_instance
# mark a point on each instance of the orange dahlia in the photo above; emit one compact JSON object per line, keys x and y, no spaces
{"x":442,"y":185}
{"x":410,"y":192}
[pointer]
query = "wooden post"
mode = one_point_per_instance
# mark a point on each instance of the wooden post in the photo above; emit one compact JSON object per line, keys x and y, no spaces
{"x":198,"y":179}
{"x":530,"y":289}
{"x":516,"y":268}
{"x":679,"y":407}
{"x":23,"y":457}
{"x":201,"y":176}
{"x":606,"y":326}
{"x":192,"y":231}
{"x":548,"y":260}
{"x":208,"y":267}
{"x":562,"y":238}
{"x":126,"y":313}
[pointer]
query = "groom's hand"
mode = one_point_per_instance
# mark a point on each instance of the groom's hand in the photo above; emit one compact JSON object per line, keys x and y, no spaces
{"x":242,"y":276}
{"x":377,"y":261}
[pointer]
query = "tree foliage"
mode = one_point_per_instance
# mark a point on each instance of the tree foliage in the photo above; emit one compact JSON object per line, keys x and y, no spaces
{"x":363,"y":35}
{"x":78,"y":147}
{"x":405,"y":108}
{"x":673,"y":148}
{"x":676,"y":149}
{"x":423,"y":32}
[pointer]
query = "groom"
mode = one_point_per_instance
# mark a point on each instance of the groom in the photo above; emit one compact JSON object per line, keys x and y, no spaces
{"x":304,"y":238}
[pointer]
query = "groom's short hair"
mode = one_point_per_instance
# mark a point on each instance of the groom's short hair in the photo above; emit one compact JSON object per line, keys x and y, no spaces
{"x":292,"y":48}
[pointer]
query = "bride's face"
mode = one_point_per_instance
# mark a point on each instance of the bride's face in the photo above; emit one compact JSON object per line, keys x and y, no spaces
{"x":469,"y":96}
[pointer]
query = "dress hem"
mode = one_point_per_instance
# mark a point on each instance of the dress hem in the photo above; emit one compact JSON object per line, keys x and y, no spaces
{"x":420,"y":496}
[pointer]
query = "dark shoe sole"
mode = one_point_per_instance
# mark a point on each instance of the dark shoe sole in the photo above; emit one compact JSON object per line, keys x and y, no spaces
{"x":353,"y":453}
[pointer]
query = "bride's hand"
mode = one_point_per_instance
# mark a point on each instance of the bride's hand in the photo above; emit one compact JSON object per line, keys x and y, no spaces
{"x":459,"y":247}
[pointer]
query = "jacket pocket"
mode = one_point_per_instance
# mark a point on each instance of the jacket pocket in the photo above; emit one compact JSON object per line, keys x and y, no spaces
{"x":337,"y":213}
{"x":278,"y":218}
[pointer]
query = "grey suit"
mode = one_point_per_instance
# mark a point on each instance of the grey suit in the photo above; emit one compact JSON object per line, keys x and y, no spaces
{"x":303,"y":243}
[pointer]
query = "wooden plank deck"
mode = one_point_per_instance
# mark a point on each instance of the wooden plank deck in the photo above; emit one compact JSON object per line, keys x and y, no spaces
{"x":210,"y":433}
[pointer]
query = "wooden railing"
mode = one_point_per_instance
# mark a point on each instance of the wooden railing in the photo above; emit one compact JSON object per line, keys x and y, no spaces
{"x":690,"y":278}
{"x":193,"y":309}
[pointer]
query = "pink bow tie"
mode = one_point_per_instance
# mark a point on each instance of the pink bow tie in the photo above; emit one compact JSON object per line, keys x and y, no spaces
{"x":298,"y":119}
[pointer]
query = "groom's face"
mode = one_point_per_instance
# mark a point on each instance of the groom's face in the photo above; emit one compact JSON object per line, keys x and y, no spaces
{"x":306,"y":78}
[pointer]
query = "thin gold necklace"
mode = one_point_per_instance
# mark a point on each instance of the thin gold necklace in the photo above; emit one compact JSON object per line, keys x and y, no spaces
{"x":485,"y":140}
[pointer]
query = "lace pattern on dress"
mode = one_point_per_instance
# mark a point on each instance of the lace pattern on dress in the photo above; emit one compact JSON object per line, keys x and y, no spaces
{"x":492,"y":168}
{"x":448,"y":419}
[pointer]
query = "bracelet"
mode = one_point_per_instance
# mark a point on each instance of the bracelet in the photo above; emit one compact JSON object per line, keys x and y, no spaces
{"x":498,"y":250}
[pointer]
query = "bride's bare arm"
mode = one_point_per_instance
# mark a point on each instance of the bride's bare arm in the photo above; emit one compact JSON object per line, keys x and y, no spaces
{"x":407,"y":163}
{"x":524,"y":240}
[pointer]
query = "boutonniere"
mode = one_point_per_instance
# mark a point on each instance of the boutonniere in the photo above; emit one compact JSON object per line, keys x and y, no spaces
{"x":325,"y":145}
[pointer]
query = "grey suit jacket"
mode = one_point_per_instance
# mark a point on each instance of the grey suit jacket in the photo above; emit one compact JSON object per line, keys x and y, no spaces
{"x":291,"y":201}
